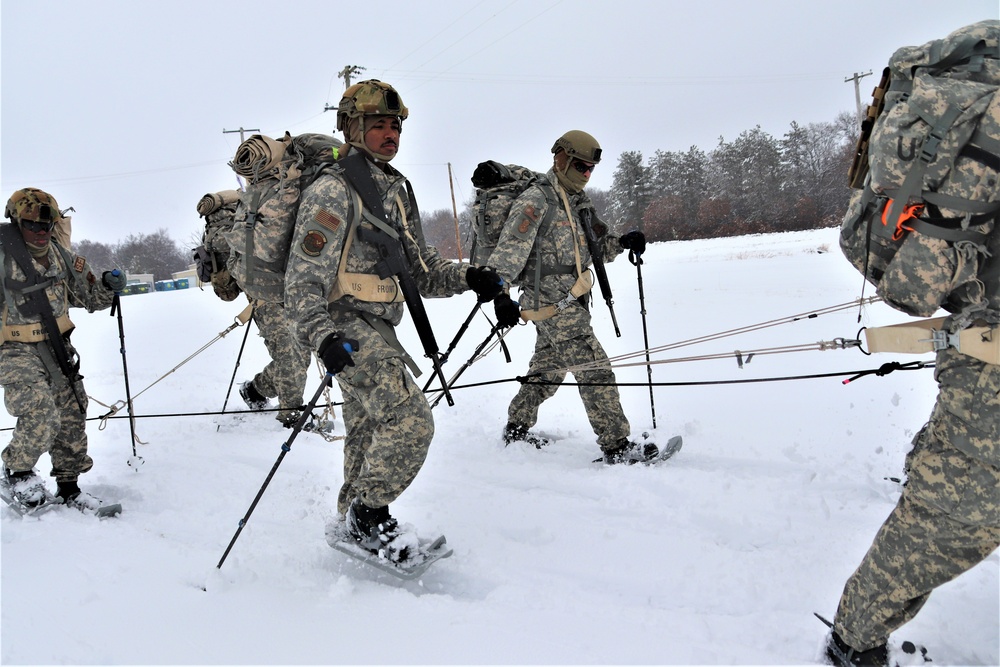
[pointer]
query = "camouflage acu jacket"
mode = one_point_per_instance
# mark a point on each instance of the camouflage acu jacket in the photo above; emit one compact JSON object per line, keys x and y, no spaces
{"x":520,"y":245}
{"x":328,"y":209}
{"x":73,"y":284}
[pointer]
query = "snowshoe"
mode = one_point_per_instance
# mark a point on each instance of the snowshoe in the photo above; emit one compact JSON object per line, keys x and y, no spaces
{"x":515,"y":432}
{"x":376,"y":531}
{"x":423,"y":552}
{"x":628,"y":452}
{"x":70,"y":495}
{"x":27,"y":488}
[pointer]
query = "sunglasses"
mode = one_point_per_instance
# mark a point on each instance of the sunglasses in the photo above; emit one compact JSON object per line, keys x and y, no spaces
{"x":583,"y":167}
{"x":36,"y":227}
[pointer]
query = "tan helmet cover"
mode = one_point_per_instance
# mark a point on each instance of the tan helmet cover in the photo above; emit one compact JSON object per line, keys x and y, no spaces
{"x":32,"y":204}
{"x":580,"y":145}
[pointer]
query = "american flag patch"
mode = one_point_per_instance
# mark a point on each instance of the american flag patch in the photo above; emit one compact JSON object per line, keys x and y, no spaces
{"x":327,"y":219}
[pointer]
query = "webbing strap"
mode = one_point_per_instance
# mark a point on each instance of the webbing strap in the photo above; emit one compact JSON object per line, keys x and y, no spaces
{"x":36,"y":302}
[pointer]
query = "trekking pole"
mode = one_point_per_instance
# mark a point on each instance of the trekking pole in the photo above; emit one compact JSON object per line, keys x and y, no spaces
{"x":454,"y":341}
{"x":472,"y":359}
{"x":239,"y":356}
{"x":116,"y":309}
{"x":636,"y":259}
{"x":285,"y":448}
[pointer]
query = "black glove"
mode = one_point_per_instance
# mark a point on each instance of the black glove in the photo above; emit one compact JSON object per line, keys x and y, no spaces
{"x":203,"y":264}
{"x":336,"y":352}
{"x":484,"y":281}
{"x":634,"y":241}
{"x":507,"y":311}
{"x":114,"y":280}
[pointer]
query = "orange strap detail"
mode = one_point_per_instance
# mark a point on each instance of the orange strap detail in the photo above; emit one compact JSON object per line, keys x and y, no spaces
{"x":909,"y":213}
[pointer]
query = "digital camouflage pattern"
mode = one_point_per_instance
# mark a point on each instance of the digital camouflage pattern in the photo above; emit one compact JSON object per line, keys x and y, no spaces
{"x":567,"y":338}
{"x":389,"y":423}
{"x":35,"y":390}
{"x":933,"y":146}
{"x":285,"y":376}
{"x":266,"y":216}
{"x":948,"y":517}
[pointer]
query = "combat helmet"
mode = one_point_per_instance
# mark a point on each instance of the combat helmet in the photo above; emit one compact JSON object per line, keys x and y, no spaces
{"x":574,"y":146}
{"x":32,"y":204}
{"x":367,"y":98}
{"x":579,"y":145}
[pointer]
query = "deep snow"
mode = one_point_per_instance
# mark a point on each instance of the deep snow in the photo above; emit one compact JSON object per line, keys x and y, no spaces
{"x":720,"y":556}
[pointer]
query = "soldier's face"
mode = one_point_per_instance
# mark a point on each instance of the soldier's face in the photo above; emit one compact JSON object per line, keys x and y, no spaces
{"x":36,"y":233}
{"x":382,"y":135}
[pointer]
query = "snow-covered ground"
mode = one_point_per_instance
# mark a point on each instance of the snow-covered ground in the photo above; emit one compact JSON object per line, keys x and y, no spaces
{"x":720,"y":556}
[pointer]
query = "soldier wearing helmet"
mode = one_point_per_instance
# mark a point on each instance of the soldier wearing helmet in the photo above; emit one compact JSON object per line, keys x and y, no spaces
{"x":543,"y":250}
{"x":346,"y":311}
{"x":39,"y":368}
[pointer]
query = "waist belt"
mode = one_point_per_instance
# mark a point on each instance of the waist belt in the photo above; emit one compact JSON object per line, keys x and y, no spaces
{"x":980,"y":342}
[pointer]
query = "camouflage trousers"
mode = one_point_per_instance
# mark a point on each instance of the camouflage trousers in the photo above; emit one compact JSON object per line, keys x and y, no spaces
{"x":49,"y":418}
{"x":285,"y":375}
{"x":387,"y":418}
{"x":948,"y":517}
{"x":564,"y":340}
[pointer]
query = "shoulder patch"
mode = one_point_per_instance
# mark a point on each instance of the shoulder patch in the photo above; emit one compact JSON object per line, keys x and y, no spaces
{"x":530,"y":217}
{"x":79,"y":263}
{"x":314,"y":243}
{"x":327,"y":219}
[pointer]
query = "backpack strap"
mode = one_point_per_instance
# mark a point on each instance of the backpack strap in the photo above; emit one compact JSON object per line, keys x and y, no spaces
{"x":551,"y":204}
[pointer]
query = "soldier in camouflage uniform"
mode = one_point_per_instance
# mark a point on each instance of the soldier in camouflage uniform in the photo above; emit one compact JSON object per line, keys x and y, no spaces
{"x":558,"y":303}
{"x":39,"y":368}
{"x":284,"y":376}
{"x":946,"y":521}
{"x":341,"y":306}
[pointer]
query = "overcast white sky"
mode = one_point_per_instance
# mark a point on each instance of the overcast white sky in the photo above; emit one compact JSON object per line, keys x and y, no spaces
{"x":117,"y":107}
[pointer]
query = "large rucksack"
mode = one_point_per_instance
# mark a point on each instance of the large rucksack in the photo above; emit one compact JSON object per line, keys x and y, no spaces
{"x":277,"y":171}
{"x":212,"y":256}
{"x":497,"y":186}
{"x":926,"y":172}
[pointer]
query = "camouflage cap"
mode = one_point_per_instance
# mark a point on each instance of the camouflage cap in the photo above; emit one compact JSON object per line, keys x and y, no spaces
{"x":580,"y":145}
{"x":369,"y":98}
{"x":32,"y":204}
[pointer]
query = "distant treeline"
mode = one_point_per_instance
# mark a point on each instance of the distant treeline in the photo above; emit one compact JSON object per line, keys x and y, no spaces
{"x":755,"y":183}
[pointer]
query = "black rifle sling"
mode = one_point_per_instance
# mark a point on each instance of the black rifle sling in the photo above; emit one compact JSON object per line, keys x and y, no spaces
{"x":358,"y":175}
{"x":356,"y":171}
{"x":36,"y":301}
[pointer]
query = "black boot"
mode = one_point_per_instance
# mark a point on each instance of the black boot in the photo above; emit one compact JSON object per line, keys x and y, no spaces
{"x":515,"y":432}
{"x":840,"y":654}
{"x":69,"y":493}
{"x":253,"y":398}
{"x":628,"y":452}
{"x":375,"y":530}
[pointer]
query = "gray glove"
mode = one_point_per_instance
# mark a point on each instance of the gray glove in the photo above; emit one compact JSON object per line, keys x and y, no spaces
{"x":114,"y":280}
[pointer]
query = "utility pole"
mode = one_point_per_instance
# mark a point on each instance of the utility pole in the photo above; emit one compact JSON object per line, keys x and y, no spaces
{"x":857,"y":92}
{"x":241,"y":131}
{"x":345,"y":74}
{"x":454,"y":211}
